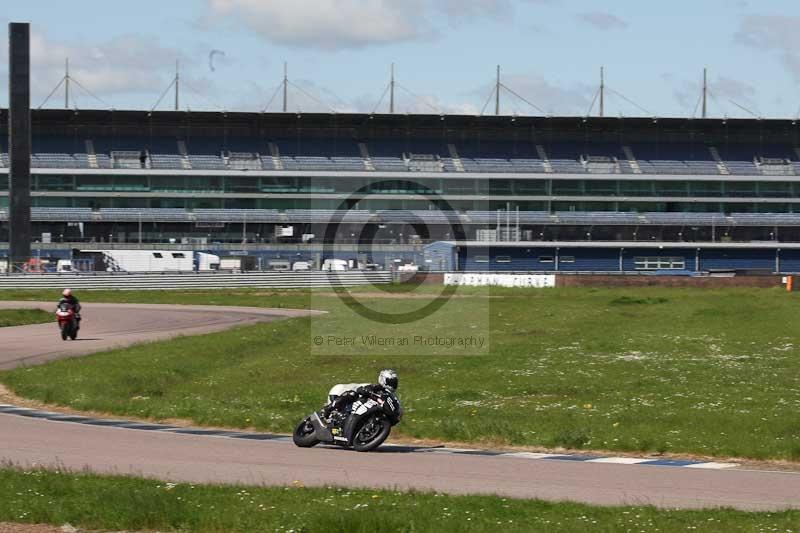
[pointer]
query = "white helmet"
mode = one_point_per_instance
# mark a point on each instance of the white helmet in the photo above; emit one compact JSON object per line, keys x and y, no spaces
{"x":388,"y":378}
{"x":67,"y":293}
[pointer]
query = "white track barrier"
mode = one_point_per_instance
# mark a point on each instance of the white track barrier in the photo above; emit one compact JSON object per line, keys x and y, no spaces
{"x":193,"y":280}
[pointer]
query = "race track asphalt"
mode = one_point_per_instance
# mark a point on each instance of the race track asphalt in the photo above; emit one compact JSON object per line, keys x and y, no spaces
{"x":200,"y":458}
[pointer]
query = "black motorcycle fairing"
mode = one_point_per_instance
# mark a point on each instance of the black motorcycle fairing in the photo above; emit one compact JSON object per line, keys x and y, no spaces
{"x":321,"y":430}
{"x":357,"y":416}
{"x":344,"y":425}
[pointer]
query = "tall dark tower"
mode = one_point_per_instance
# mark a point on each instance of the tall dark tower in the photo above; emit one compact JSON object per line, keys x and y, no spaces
{"x":19,"y":142}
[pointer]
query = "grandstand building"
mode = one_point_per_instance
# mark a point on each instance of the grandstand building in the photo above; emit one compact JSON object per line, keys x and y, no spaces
{"x":122,"y":176}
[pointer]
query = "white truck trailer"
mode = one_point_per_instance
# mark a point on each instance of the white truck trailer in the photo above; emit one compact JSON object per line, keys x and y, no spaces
{"x":151,"y":260}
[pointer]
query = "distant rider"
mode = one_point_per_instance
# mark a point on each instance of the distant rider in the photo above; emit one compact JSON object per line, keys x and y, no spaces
{"x":68,"y":298}
{"x":342,"y":394}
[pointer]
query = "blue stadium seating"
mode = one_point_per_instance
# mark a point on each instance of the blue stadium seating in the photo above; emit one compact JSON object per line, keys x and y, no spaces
{"x":392,"y":155}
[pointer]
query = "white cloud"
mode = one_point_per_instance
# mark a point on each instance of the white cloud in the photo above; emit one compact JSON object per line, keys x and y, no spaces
{"x":341,"y":24}
{"x":773,"y":33}
{"x":603,"y":21}
{"x":119,"y":67}
{"x":548,"y":97}
{"x":724,"y":93}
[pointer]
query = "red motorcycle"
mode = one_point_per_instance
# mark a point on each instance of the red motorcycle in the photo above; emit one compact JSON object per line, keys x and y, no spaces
{"x":67,"y":321}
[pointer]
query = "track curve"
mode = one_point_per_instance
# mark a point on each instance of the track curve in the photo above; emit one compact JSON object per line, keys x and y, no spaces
{"x":109,"y":326}
{"x":197,"y":458}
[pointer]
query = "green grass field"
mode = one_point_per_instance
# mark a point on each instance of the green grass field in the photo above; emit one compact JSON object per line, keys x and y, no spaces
{"x":708,"y":372}
{"x":133,"y":504}
{"x":23,"y":317}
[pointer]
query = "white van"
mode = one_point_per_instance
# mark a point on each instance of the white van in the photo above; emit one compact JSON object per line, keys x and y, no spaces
{"x":337,"y":265}
{"x":64,"y":265}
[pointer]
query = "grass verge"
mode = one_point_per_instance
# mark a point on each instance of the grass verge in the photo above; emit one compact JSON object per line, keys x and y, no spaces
{"x":23,"y":317}
{"x":706,"y":372}
{"x":134,"y":504}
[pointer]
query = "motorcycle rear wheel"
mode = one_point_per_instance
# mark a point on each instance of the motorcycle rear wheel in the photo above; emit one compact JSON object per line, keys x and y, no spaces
{"x":371,"y":434}
{"x":304,"y":434}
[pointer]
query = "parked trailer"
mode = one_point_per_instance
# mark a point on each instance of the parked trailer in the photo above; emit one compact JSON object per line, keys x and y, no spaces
{"x":149,"y":260}
{"x":205,"y":262}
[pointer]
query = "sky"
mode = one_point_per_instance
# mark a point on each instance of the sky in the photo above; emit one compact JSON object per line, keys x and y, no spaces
{"x":231,"y":54}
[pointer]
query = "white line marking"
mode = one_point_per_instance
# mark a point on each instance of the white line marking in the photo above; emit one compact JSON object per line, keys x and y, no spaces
{"x":619,"y":460}
{"x":531,"y":455}
{"x":713,"y":466}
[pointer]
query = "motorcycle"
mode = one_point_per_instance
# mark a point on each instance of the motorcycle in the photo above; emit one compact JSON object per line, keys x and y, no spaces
{"x":67,"y":321}
{"x":362,"y":425}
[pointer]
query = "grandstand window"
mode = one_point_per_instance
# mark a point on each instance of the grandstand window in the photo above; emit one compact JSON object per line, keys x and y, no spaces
{"x":503,"y":259}
{"x":55,"y":202}
{"x":699,"y":207}
{"x":530,"y":187}
{"x":636,"y":188}
{"x":178,"y":255}
{"x":93,"y":183}
{"x":51,"y":183}
{"x":481,"y":258}
{"x":566,"y":259}
{"x":659,"y":263}
{"x":241,"y":185}
{"x":168,"y":183}
{"x":705,"y":188}
{"x":775,"y":189}
{"x":158,"y":255}
{"x":568,"y":187}
{"x":287,"y":184}
{"x":546,"y":259}
{"x":239,"y":203}
{"x":601,"y":188}
{"x":459,"y":186}
{"x":494,"y":186}
{"x":131,"y":183}
{"x":671,"y":188}
{"x":204,"y":184}
{"x":741,"y":189}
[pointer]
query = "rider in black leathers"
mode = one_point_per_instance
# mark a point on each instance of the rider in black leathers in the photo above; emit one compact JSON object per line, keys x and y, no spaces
{"x":387,"y":379}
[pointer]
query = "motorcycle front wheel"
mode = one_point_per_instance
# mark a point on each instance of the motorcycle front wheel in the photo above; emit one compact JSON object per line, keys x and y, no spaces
{"x":371,"y":434}
{"x":304,"y":434}
{"x":64,"y":334}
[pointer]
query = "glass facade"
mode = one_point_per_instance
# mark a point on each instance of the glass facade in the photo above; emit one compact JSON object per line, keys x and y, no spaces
{"x":293,"y":192}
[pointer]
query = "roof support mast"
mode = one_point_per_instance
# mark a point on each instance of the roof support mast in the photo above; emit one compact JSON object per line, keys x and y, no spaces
{"x":497,"y":93}
{"x":391,"y":92}
{"x":66,"y":84}
{"x":602,"y":91}
{"x":177,"y":84}
{"x":285,"y":86}
{"x":705,"y":90}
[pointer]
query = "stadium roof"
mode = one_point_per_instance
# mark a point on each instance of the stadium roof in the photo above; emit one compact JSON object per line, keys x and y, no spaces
{"x":760,"y":245}
{"x":453,"y":127}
